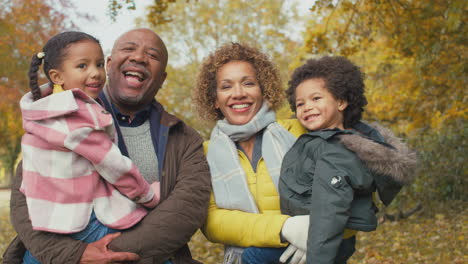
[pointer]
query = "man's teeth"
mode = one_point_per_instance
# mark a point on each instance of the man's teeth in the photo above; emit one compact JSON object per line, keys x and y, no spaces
{"x":238,"y":106}
{"x":137,"y":74}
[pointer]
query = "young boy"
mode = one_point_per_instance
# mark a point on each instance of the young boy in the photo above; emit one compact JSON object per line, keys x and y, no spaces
{"x":332,"y":172}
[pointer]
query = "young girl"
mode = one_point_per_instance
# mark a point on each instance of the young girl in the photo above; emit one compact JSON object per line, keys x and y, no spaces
{"x":75,"y":179}
{"x":330,"y":173}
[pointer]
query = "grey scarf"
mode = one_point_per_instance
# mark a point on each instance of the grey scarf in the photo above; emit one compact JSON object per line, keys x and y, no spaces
{"x":229,"y":181}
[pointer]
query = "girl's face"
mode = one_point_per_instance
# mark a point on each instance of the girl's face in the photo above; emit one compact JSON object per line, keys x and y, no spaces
{"x":317,"y":108}
{"x":83,"y":68}
{"x":238,"y":93}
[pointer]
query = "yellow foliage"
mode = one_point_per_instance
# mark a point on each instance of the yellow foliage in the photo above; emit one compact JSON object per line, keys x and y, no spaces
{"x":26,"y":26}
{"x":413,"y":53}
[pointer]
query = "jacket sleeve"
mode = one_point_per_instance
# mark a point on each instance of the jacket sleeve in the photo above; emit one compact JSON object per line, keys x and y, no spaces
{"x":46,"y":247}
{"x":233,"y":227}
{"x":330,"y":204}
{"x":117,"y":169}
{"x":169,"y":227}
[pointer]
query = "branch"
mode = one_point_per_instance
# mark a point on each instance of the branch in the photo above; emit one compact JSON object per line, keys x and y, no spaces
{"x":331,"y":14}
{"x":348,"y":23}
{"x":401,"y":214}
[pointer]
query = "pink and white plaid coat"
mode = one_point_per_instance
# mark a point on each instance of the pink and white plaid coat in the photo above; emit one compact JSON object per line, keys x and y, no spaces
{"x":71,"y":166}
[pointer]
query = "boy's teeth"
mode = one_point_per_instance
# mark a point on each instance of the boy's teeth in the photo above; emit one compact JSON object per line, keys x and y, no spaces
{"x":240,"y":106}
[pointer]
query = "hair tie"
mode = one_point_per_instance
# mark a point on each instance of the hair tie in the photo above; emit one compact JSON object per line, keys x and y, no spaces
{"x":40,"y":55}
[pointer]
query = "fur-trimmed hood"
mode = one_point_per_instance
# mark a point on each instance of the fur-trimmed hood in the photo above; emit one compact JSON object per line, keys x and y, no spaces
{"x":398,"y":162}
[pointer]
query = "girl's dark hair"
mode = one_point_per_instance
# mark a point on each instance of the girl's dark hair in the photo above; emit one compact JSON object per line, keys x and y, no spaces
{"x":55,"y":51}
{"x":343,"y":79}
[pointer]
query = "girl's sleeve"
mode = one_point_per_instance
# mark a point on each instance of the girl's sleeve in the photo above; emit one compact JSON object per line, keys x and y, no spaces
{"x":237,"y":228}
{"x":117,"y":169}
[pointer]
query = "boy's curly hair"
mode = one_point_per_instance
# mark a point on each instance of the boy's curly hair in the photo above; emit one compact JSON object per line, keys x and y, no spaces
{"x":342,"y":78}
{"x":204,"y":94}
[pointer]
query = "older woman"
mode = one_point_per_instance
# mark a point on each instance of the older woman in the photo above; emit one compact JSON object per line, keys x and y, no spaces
{"x":240,"y":88}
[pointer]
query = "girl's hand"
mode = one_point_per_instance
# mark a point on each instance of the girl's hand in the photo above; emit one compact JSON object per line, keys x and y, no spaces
{"x":155,"y":186}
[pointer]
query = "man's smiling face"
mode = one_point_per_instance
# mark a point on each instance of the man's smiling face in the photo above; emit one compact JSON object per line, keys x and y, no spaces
{"x":136,"y":69}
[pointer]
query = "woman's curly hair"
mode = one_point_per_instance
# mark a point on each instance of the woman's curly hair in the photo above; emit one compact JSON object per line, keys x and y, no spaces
{"x":342,"y":78}
{"x":204,"y":94}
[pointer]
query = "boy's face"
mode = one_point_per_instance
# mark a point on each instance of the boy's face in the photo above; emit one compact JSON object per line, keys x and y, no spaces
{"x":316,"y":107}
{"x":83,"y":67}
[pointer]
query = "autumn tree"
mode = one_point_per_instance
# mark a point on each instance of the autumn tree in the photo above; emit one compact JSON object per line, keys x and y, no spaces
{"x":414,"y":53}
{"x":199,"y":27}
{"x":156,"y":13}
{"x":428,"y":37}
{"x":25,"y":26}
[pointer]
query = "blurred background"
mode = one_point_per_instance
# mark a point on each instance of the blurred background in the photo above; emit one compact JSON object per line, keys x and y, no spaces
{"x":413,"y":52}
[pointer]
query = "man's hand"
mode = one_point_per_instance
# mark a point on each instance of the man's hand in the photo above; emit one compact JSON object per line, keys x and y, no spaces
{"x":98,"y":253}
{"x":298,"y":256}
{"x":295,"y":231}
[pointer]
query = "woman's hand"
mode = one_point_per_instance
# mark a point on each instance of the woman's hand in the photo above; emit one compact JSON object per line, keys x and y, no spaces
{"x":295,"y":230}
{"x":298,"y":256}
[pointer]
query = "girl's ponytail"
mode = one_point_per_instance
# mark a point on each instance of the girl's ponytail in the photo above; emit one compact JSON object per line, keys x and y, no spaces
{"x":36,"y":61}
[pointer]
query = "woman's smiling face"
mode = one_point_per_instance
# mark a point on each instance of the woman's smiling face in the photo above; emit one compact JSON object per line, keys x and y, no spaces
{"x":238,"y":93}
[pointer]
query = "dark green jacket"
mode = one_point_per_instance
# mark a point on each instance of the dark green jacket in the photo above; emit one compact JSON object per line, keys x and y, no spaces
{"x":332,"y":175}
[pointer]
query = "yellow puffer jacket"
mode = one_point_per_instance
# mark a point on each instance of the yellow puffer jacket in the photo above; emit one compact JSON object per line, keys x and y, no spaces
{"x":233,"y":227}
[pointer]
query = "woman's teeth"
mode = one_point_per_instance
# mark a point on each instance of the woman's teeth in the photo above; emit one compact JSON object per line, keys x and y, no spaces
{"x":239,"y":106}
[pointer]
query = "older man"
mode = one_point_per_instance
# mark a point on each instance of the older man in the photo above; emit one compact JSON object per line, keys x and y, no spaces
{"x":162,"y":147}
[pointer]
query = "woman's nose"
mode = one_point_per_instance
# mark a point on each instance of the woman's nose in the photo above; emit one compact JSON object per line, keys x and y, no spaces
{"x":238,"y":91}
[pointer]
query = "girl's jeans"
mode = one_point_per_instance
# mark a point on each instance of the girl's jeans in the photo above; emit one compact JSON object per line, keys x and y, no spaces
{"x":93,"y":232}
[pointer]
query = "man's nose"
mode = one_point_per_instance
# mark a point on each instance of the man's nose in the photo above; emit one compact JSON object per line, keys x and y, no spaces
{"x":138,"y":56}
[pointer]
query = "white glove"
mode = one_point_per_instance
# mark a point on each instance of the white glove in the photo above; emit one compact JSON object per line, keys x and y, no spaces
{"x":298,"y":256}
{"x":295,"y":230}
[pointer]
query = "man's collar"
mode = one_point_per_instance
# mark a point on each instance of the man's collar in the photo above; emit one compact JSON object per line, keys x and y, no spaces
{"x":125,"y":120}
{"x":138,"y":119}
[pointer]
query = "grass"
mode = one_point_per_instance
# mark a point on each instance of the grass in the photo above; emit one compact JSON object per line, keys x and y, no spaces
{"x":435,"y":235}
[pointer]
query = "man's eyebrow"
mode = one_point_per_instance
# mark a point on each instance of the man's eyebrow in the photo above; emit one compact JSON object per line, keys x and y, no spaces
{"x":129,"y":42}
